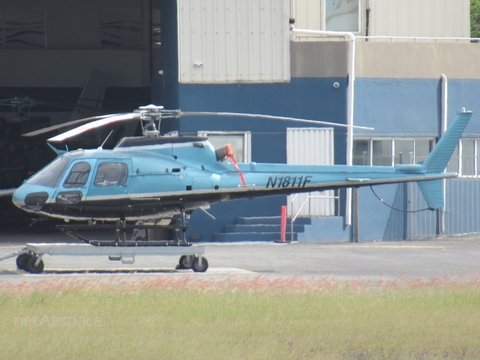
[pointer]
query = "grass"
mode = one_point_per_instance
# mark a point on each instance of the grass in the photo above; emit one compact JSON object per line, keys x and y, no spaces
{"x":171,"y":318}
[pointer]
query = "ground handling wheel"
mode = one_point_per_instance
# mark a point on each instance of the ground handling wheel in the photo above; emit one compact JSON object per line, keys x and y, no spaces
{"x":30,"y":265}
{"x":185,"y":262}
{"x":22,"y":260}
{"x":196,"y":264}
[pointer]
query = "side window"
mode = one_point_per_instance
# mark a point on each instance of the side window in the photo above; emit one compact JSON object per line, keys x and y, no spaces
{"x":240,"y":142}
{"x":78,"y":176}
{"x":110,"y":174}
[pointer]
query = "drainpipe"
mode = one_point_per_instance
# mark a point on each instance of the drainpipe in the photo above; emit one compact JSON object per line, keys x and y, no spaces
{"x":350,"y":101}
{"x":444,"y":104}
{"x":443,"y":128}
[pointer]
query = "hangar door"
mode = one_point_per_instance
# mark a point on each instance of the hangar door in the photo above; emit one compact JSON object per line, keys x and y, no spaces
{"x":310,"y":146}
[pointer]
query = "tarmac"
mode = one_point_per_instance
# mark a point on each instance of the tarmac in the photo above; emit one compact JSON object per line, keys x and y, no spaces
{"x":451,"y":258}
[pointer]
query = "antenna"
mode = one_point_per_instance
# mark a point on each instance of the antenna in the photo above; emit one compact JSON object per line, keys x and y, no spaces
{"x":101,"y":146}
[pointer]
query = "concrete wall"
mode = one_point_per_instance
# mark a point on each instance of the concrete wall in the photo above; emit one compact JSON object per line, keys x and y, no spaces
{"x":319,"y":59}
{"x":418,"y":60}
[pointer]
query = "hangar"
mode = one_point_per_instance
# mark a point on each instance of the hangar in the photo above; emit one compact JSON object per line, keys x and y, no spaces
{"x":402,"y":67}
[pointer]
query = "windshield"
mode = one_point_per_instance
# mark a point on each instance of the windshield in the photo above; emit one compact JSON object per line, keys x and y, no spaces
{"x":49,"y":175}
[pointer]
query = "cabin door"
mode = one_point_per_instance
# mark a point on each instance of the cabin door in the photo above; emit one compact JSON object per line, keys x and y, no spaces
{"x":110,"y":184}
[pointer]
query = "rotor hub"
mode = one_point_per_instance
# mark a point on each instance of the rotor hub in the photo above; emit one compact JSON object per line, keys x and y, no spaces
{"x":151,"y":117}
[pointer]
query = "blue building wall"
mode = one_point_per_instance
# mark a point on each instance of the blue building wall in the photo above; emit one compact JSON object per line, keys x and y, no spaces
{"x":412,"y":107}
{"x":462,"y":213}
{"x":306,"y":98}
{"x":394,"y":107}
{"x":398,"y":106}
{"x":408,"y":216}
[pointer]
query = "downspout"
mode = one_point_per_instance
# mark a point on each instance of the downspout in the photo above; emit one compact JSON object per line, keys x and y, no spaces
{"x":350,"y":101}
{"x":443,"y":128}
{"x":367,"y":21}
{"x":444,"y":104}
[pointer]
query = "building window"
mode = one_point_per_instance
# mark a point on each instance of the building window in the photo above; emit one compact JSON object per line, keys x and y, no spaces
{"x":382,"y":152}
{"x":78,"y":176}
{"x":341,"y":15}
{"x":111,"y":174}
{"x":240,"y":142}
{"x":465,"y":158}
{"x":23,"y":27}
{"x":330,"y":15}
{"x":120,"y":28}
{"x":388,"y":152}
{"x":468,"y":157}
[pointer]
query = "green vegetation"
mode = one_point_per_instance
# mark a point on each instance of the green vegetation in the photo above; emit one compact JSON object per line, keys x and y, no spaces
{"x":171,"y":318}
{"x":475,"y":18}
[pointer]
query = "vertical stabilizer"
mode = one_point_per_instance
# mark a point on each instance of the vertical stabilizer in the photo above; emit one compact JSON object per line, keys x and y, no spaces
{"x":432,"y":191}
{"x":438,"y":159}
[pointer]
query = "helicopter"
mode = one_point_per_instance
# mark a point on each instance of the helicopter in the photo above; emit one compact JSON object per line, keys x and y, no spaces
{"x":158,"y":177}
{"x":23,"y":138}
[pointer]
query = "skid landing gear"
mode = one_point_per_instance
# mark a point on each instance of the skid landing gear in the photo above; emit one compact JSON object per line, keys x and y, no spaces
{"x":30,"y":258}
{"x":191,"y":256}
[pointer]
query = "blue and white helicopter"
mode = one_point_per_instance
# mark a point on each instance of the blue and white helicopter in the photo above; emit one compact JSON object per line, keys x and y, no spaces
{"x":156,"y":176}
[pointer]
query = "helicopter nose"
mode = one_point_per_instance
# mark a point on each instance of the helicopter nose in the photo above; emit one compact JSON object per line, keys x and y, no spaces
{"x":27,"y":200}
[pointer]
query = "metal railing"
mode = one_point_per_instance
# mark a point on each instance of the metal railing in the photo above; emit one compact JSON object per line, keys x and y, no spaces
{"x":386,"y":38}
{"x":308,"y":198}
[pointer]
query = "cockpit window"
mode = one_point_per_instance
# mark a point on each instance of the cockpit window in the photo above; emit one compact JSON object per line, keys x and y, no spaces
{"x":78,"y":176}
{"x":110,"y":174}
{"x":49,"y":175}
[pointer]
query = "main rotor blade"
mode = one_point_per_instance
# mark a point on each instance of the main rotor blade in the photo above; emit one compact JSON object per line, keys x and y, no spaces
{"x":270,"y":117}
{"x":48,"y":129}
{"x":93,"y":125}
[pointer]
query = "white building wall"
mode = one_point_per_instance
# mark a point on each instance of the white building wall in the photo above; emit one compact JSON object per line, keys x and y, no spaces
{"x":445,"y":18}
{"x":222,"y":41}
{"x":311,"y":146}
{"x":418,"y":18}
{"x":308,"y":14}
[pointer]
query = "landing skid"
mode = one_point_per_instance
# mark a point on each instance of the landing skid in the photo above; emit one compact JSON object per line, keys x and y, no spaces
{"x":191,"y":256}
{"x":121,"y":237}
{"x":30,"y":257}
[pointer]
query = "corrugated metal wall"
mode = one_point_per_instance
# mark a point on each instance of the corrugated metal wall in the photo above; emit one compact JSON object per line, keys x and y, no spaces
{"x":460,"y":214}
{"x":394,"y":17}
{"x":222,"y":41}
{"x":308,"y":14}
{"x":311,"y":146}
{"x":419,"y":18}
{"x":406,"y":214}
